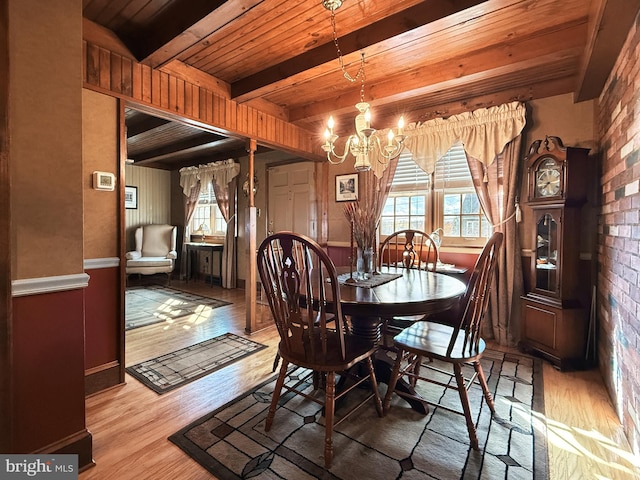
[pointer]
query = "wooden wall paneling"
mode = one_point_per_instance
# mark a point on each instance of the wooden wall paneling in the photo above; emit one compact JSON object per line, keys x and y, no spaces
{"x":146,"y":84}
{"x":110,"y":72}
{"x":155,"y":88}
{"x":91,"y":63}
{"x":127,"y":75}
{"x":116,"y":73}
{"x":104,"y":65}
{"x":164,"y":90}
{"x":154,"y":199}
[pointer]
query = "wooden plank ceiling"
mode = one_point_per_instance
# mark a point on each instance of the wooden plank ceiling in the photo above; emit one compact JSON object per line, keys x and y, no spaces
{"x":424,"y":59}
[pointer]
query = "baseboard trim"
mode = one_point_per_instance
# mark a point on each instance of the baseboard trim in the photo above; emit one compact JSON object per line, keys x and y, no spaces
{"x":79,"y":443}
{"x":102,"y":377}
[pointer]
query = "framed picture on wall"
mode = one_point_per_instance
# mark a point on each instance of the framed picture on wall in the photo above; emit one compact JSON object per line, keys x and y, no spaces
{"x":347,"y":187}
{"x":130,"y":197}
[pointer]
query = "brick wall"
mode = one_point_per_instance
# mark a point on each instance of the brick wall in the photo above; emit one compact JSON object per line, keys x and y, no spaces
{"x":619,"y":236}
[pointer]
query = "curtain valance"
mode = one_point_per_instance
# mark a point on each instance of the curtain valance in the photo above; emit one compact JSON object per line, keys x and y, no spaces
{"x":483,"y":133}
{"x":188,"y":179}
{"x":220,"y":173}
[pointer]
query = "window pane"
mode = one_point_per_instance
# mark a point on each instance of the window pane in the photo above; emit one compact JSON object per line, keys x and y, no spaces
{"x":402,"y":223}
{"x":470,"y":203}
{"x":402,"y":205}
{"x":417,"y":223}
{"x":486,"y":227}
{"x":451,"y":204}
{"x":417,"y":205}
{"x":471,"y":226}
{"x":451,"y":226}
{"x":388,"y":206}
{"x":386,"y":226}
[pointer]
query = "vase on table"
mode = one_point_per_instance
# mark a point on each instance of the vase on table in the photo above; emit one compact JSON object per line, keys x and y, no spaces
{"x":365,"y":267}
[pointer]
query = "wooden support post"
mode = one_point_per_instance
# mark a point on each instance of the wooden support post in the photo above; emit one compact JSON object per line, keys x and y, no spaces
{"x":250,"y":236}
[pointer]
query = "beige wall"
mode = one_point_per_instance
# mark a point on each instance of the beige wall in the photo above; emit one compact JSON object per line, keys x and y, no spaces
{"x":45,"y":114}
{"x":558,"y":116}
{"x":100,"y":152}
{"x":154,"y":199}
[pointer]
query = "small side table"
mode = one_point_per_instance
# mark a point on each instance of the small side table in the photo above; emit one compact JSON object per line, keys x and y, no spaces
{"x":194,"y":247}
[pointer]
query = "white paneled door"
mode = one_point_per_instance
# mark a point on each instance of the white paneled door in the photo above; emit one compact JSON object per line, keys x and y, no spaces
{"x":292,"y":199}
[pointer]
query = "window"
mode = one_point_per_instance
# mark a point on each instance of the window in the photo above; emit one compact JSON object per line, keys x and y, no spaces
{"x":402,"y":212}
{"x":208,"y":215}
{"x":452,"y":202}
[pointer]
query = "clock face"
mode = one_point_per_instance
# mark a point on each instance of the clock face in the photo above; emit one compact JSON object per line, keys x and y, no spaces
{"x":548,"y":177}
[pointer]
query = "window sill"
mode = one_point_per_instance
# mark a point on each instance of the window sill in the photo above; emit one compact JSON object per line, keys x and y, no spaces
{"x":470,"y":249}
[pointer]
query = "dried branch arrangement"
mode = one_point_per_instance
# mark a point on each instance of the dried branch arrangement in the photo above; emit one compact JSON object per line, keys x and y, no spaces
{"x":364,"y":222}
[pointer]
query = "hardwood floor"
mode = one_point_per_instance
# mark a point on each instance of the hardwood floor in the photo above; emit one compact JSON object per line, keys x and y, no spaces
{"x":130,"y":423}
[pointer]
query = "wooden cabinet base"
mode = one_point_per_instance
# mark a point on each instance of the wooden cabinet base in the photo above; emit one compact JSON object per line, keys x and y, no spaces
{"x":556,"y":332}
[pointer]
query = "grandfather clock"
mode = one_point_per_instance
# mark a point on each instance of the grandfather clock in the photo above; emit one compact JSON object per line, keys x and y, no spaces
{"x":554,"y":310}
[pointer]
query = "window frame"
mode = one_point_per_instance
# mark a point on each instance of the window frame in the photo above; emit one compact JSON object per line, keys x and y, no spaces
{"x":207,"y":199}
{"x":434,"y":204}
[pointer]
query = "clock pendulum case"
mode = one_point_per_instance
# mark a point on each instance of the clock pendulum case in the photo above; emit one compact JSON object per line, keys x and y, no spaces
{"x":554,"y":310}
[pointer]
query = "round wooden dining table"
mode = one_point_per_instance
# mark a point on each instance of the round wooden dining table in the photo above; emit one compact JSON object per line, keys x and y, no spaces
{"x":414,"y":292}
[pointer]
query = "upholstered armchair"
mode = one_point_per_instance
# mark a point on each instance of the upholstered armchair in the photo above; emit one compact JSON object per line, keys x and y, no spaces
{"x":155,"y":251}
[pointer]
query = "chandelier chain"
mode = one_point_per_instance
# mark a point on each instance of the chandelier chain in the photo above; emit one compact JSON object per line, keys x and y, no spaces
{"x":360,"y":73}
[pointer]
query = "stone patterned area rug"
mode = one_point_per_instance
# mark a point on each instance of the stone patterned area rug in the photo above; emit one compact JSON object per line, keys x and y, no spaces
{"x":168,"y":372}
{"x":158,"y":304}
{"x":231,"y":443}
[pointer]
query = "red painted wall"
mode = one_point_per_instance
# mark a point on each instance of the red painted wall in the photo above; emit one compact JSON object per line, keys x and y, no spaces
{"x":102,"y":317}
{"x":48,"y":389}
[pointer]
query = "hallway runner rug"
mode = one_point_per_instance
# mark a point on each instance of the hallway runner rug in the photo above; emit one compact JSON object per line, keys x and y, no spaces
{"x":231,"y":443}
{"x":172,"y":370}
{"x":157,"y":304}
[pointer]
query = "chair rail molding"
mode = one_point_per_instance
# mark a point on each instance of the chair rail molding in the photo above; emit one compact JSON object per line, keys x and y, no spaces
{"x":59,"y":283}
{"x":95,"y":263}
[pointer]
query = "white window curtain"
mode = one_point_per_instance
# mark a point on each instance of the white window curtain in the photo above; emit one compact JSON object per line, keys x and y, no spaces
{"x":222,"y":175}
{"x":484,"y":134}
{"x":191,"y":188}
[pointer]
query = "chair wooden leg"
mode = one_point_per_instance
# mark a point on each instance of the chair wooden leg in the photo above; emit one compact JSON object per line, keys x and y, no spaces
{"x":393,"y":380}
{"x":416,"y":370}
{"x":464,"y":399}
{"x":374,"y":387}
{"x":276,"y":361}
{"x":485,"y":388}
{"x":329,"y":409}
{"x":276,"y":396}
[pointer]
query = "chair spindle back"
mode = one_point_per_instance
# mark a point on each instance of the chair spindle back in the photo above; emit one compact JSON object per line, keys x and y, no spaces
{"x":409,"y":249}
{"x":301,"y":285}
{"x":476,"y":297}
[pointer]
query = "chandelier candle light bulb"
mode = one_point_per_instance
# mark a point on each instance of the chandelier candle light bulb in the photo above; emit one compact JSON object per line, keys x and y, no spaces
{"x":363,"y":142}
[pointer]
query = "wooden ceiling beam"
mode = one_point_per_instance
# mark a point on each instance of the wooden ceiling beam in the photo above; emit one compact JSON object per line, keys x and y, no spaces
{"x":168,"y":24}
{"x":173,"y":163}
{"x":182,"y":149}
{"x":209,"y":19}
{"x":142,"y":124}
{"x":485,"y":63}
{"x":380,"y":31}
{"x":610,"y":21}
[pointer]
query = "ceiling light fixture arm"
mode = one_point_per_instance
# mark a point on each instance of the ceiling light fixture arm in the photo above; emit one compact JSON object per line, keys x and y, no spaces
{"x":362,"y":143}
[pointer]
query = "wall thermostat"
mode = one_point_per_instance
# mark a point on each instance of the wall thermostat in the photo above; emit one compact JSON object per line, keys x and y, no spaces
{"x":104,"y":181}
